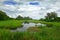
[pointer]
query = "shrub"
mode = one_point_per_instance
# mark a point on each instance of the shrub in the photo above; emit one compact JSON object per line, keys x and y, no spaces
{"x":49,"y":25}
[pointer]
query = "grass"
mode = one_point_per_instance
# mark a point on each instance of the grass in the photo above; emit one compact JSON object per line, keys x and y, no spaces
{"x":33,"y":33}
{"x":44,"y":33}
{"x":7,"y":35}
{"x":10,"y":24}
{"x":13,"y":24}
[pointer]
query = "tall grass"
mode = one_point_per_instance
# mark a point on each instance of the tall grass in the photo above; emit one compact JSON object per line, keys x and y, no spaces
{"x":45,"y":33}
{"x":10,"y":24}
{"x":7,"y":35}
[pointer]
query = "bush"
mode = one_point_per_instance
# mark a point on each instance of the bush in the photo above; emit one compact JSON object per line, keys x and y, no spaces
{"x":49,"y":25}
{"x":26,"y":21}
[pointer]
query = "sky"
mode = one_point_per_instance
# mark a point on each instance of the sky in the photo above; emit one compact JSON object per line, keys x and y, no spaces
{"x":35,"y":9}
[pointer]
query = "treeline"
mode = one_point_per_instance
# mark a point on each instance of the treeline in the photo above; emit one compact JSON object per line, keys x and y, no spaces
{"x":23,"y":18}
{"x":51,"y":17}
{"x":4,"y":16}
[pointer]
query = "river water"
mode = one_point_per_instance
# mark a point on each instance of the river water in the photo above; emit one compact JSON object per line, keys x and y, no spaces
{"x":27,"y":25}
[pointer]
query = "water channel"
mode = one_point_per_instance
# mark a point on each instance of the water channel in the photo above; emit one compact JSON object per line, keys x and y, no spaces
{"x":28,"y":25}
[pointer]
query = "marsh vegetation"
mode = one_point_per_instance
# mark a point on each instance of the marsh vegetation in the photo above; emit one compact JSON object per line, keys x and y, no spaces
{"x":51,"y":30}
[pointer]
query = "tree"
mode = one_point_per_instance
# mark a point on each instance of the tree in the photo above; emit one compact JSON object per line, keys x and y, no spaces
{"x":41,"y":19}
{"x":19,"y":17}
{"x":3,"y":16}
{"x":57,"y":19}
{"x":27,"y":18}
{"x":23,"y":18}
{"x":51,"y":16}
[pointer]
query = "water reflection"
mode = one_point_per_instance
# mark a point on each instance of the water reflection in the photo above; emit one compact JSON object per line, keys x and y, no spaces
{"x":28,"y":25}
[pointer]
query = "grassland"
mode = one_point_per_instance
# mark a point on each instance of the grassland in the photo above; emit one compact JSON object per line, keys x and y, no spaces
{"x":46,"y":33}
{"x":10,"y":24}
{"x":49,"y":32}
{"x":13,"y":24}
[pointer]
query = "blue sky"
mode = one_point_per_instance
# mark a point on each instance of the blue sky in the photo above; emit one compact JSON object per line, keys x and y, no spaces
{"x":9,"y":2}
{"x":34,"y":3}
{"x":35,"y":9}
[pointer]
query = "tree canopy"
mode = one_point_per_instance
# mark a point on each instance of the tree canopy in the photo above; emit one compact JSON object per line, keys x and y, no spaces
{"x":23,"y":18}
{"x":52,"y":17}
{"x":3,"y":16}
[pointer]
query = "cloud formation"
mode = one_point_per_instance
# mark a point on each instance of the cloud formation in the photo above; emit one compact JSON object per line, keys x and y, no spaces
{"x":35,"y":9}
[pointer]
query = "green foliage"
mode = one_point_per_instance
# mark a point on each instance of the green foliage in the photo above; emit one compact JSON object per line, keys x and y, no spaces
{"x":23,"y":18}
{"x":49,"y":25}
{"x":57,"y":19}
{"x":7,"y":35}
{"x":27,"y":18}
{"x":44,"y":33}
{"x":26,"y":21}
{"x":41,"y":19}
{"x":19,"y":17}
{"x":10,"y":24}
{"x":3,"y":16}
{"x":51,"y":16}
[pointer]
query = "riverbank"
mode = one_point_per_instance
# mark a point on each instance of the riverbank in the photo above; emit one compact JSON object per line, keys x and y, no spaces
{"x":49,"y":32}
{"x":10,"y":24}
{"x":13,"y":23}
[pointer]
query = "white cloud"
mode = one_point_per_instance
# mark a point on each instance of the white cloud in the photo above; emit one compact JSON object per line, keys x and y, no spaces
{"x":28,"y":8}
{"x":33,"y":11}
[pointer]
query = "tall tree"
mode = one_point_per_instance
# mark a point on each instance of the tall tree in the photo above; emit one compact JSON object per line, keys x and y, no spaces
{"x":3,"y":16}
{"x":19,"y":17}
{"x":27,"y":18}
{"x":51,"y":16}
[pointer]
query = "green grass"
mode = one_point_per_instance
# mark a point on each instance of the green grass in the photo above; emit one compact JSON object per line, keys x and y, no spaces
{"x":10,"y":24}
{"x":13,"y":24}
{"x":34,"y":21}
{"x":5,"y":34}
{"x":44,"y":33}
{"x":34,"y":33}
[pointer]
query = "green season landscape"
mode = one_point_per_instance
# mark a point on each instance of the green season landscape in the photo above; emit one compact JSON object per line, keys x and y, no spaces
{"x":49,"y":32}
